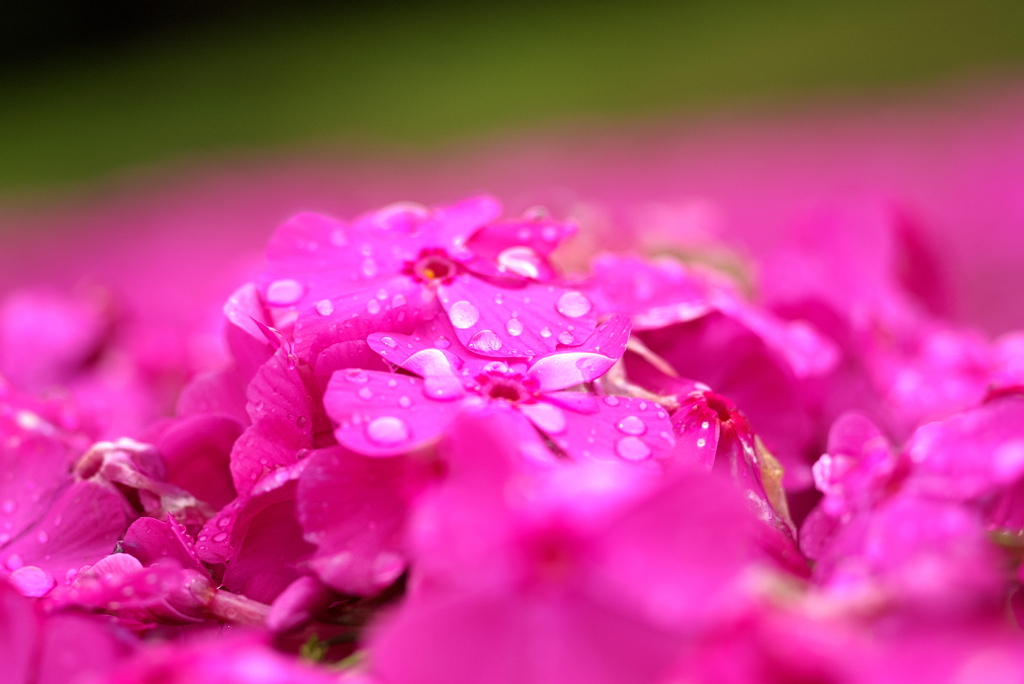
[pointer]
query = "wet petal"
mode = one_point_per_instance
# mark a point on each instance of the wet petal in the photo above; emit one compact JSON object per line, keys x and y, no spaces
{"x":83,"y":526}
{"x":514,"y":322}
{"x":624,"y":429}
{"x":314,"y":257}
{"x":382,"y":414}
{"x":585,"y":363}
{"x":397,"y":304}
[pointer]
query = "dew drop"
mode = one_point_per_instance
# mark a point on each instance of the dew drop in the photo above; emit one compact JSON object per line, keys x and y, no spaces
{"x":565,"y":337}
{"x":373,"y":307}
{"x":631,"y":425}
{"x":404,"y":402}
{"x":324,"y":307}
{"x":521,"y":260}
{"x":14,"y":562}
{"x":704,"y":425}
{"x":365,"y":394}
{"x":338,"y":238}
{"x":463,"y":315}
{"x":573,"y":304}
{"x":9,"y":505}
{"x":388,"y":342}
{"x":441,"y":342}
{"x":356,"y":375}
{"x":369,"y":267}
{"x":42,"y":537}
{"x":220,"y":536}
{"x":485,"y":341}
{"x":632,"y":449}
{"x":545,"y":331}
{"x":701,"y":442}
{"x":387,"y":430}
{"x":514,"y":327}
{"x":285,"y":292}
{"x":611,"y":401}
{"x":223,"y":522}
{"x":397,"y":301}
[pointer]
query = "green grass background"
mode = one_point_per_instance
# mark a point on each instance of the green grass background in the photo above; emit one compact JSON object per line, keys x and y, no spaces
{"x":429,"y":74}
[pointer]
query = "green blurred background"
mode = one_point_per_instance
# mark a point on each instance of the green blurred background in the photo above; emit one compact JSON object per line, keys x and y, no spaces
{"x":95,"y":90}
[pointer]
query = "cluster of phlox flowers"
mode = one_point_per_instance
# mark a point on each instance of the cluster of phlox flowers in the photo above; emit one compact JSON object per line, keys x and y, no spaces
{"x":432,"y":455}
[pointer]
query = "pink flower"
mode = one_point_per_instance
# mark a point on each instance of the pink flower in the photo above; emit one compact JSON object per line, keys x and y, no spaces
{"x":382,"y":414}
{"x":62,"y":648}
{"x":583,"y":572}
{"x":389,"y":269}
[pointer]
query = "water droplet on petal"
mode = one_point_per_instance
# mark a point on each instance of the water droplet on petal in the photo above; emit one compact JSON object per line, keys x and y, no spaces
{"x":632,"y":449}
{"x":573,"y":305}
{"x":223,"y":522}
{"x":42,"y":537}
{"x":441,"y":342}
{"x":324,"y":307}
{"x":549,"y":233}
{"x":14,"y":562}
{"x":485,"y":341}
{"x":565,"y":337}
{"x":632,"y":425}
{"x":285,"y":292}
{"x":387,"y":430}
{"x":514,"y":327}
{"x":373,"y":306}
{"x":611,"y":401}
{"x":388,"y":342}
{"x":704,"y":425}
{"x":369,"y":267}
{"x":404,"y":402}
{"x":365,"y":394}
{"x":220,"y":536}
{"x":356,"y":375}
{"x":463,"y":314}
{"x":701,"y":442}
{"x":545,"y":331}
{"x":9,"y":505}
{"x":397,"y":301}
{"x":521,"y":261}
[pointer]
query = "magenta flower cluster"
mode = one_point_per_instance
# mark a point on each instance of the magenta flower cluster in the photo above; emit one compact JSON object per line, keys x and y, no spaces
{"x":431,"y":456}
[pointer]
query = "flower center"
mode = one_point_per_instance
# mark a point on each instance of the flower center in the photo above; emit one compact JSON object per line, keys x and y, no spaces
{"x":719,"y":405}
{"x":512,"y":388}
{"x":432,"y":266}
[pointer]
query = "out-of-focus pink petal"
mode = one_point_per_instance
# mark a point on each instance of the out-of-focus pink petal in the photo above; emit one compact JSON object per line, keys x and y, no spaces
{"x":972,"y":453}
{"x":677,"y":557}
{"x":82,"y":526}
{"x":655,"y":293}
{"x":354,"y":508}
